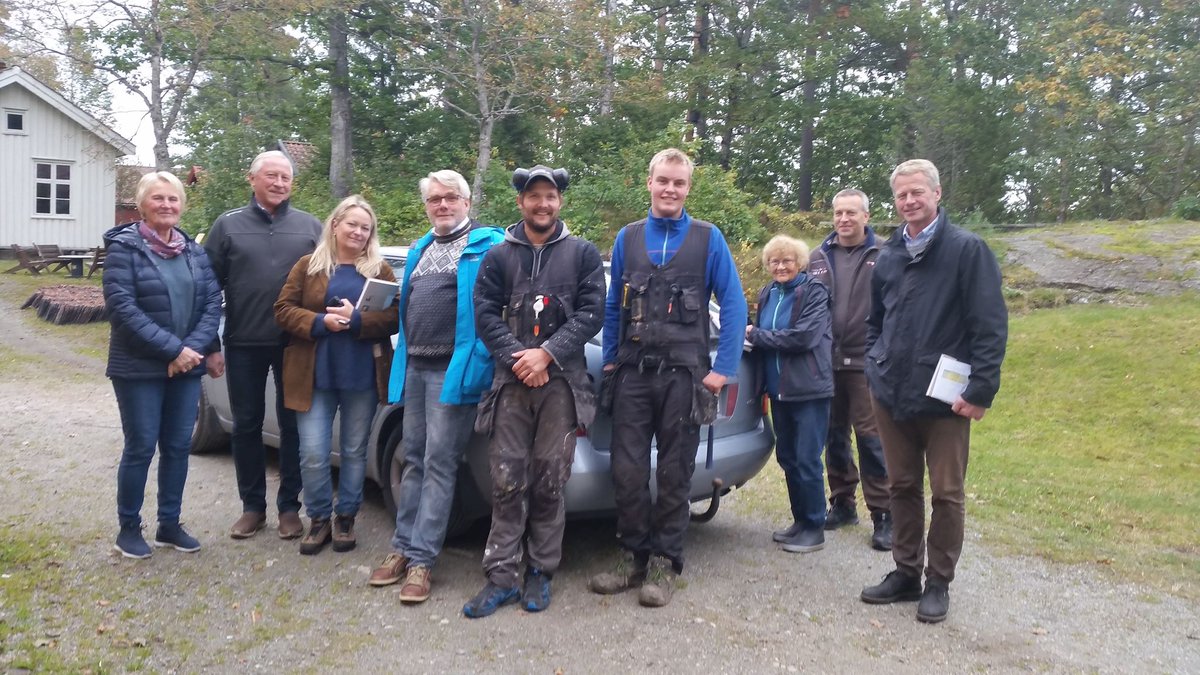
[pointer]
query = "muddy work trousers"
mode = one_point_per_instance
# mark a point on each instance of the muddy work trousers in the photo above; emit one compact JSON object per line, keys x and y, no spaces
{"x":651,"y":404}
{"x":532,"y":447}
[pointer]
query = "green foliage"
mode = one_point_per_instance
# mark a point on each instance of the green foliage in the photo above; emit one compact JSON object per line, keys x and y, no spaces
{"x":1187,"y":207}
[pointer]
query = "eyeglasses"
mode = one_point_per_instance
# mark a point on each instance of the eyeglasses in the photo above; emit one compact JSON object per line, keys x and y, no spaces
{"x":786,"y":262}
{"x":450,"y":200}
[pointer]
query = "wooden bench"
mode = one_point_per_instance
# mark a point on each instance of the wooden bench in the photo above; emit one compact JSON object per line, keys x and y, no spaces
{"x":28,"y":260}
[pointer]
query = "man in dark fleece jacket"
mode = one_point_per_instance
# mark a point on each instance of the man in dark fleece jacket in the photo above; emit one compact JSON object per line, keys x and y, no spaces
{"x":843,"y":262}
{"x":935,"y":291}
{"x":252,"y":249}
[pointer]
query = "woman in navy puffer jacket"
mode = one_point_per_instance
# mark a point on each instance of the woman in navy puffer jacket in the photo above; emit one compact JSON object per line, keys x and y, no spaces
{"x":164,"y":305}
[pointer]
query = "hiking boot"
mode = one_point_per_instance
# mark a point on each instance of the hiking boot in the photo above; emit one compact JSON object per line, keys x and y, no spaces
{"x":290,"y":525}
{"x":806,"y":541}
{"x":389,"y":571}
{"x":172,"y":535}
{"x":660,"y":583}
{"x":248,"y":524}
{"x":895,"y":587}
{"x":780,"y":536}
{"x":629,"y":572}
{"x":416,"y":585}
{"x":131,"y":544}
{"x":319,"y":534}
{"x":343,"y":534}
{"x":841,"y":514}
{"x":881,"y":539}
{"x":935,"y":601}
{"x":488,"y":600}
{"x":536,"y":595}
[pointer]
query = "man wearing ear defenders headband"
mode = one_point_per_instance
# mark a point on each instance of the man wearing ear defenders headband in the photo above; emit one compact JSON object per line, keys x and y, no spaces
{"x":538,"y":300}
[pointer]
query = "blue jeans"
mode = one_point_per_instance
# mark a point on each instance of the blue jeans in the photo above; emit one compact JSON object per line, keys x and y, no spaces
{"x":246,"y":376}
{"x":154,"y":412}
{"x":800,"y":429}
{"x":435,"y":440}
{"x":316,"y":443}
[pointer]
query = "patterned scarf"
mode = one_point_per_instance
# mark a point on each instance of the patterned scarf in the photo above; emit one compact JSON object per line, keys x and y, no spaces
{"x":164,"y":249}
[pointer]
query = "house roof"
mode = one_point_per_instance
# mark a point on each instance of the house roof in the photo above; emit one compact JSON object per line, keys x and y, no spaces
{"x":15,"y":75}
{"x":128,"y":177}
{"x":300,"y":152}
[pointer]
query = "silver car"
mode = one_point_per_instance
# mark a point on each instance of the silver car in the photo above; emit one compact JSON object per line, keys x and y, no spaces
{"x":732,"y":451}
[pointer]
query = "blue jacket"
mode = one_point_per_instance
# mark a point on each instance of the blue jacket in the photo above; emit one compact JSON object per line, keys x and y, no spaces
{"x":141,"y":344}
{"x":663,"y":238}
{"x":471,"y":367}
{"x":793,"y":340}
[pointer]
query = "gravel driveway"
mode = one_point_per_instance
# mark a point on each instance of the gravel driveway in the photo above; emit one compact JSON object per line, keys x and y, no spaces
{"x":258,"y":605}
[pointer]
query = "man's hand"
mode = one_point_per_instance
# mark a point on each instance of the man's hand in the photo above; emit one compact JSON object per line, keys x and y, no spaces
{"x":215,"y":364}
{"x":962,"y":407}
{"x":609,"y":367}
{"x":714,"y":381}
{"x":531,"y":366}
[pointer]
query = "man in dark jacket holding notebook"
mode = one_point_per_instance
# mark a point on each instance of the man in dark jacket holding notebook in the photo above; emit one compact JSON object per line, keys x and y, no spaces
{"x":935,"y":291}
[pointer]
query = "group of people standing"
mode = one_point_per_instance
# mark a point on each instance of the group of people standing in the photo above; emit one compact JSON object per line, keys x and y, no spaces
{"x":490,"y":330}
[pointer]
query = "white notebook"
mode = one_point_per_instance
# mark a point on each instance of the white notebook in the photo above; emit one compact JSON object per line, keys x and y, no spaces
{"x":377,"y":294}
{"x":949,"y":379}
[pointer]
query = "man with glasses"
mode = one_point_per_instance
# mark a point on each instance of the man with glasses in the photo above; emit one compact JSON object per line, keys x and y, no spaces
{"x":439,"y":372}
{"x":843,"y":262}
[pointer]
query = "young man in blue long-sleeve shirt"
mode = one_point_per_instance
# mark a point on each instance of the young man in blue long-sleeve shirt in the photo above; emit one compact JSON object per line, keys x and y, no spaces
{"x":658,"y":373}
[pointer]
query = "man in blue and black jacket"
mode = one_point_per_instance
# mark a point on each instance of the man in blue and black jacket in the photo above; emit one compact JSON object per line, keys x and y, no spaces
{"x":658,"y":372}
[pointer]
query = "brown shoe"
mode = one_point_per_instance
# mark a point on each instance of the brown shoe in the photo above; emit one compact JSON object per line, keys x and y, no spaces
{"x":343,"y":534}
{"x":389,"y":571}
{"x":248,"y":525}
{"x":290,"y":525}
{"x":628,"y":573}
{"x":320,"y":532}
{"x":416,"y":585}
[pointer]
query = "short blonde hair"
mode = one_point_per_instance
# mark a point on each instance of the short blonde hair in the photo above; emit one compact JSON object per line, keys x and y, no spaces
{"x":153,"y":178}
{"x":783,"y":245}
{"x":672,"y":156}
{"x":921,"y":166}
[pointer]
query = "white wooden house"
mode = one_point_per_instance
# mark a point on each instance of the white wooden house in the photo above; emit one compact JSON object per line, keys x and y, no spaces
{"x":57,"y":167}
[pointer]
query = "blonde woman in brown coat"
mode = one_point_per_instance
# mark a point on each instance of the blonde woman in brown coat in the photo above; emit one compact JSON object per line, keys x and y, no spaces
{"x":337,"y":359}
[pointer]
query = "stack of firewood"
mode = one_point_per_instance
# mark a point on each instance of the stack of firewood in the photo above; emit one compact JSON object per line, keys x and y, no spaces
{"x":68,"y":304}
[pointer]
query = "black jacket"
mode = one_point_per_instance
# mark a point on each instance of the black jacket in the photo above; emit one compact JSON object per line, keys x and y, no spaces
{"x":948,"y":300}
{"x":802,"y":352}
{"x":252,"y":253}
{"x":141,"y":344}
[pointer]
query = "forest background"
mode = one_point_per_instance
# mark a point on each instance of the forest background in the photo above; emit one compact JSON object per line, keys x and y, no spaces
{"x":1035,"y":111}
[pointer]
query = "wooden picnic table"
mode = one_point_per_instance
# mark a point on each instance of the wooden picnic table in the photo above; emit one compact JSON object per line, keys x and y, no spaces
{"x":76,"y":263}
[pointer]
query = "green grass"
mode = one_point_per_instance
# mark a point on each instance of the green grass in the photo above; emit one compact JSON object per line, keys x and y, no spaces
{"x":1091,"y":453}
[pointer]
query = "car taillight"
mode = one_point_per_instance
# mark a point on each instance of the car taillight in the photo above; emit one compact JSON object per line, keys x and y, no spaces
{"x":731,"y":398}
{"x":580,"y":432}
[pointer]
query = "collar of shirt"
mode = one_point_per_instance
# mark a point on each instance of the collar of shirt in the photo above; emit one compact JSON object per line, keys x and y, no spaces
{"x":922,"y":239}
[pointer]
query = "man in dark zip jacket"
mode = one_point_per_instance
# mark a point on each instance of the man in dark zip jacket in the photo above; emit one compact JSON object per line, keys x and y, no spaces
{"x":843,"y":262}
{"x":539,"y":298}
{"x":252,"y":249}
{"x":935,"y":291}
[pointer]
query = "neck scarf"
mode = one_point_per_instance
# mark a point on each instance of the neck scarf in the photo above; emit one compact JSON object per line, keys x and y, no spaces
{"x":163,"y":249}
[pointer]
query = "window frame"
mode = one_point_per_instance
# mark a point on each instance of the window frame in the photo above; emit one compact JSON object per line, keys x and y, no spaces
{"x":24,"y":130}
{"x":54,"y":182}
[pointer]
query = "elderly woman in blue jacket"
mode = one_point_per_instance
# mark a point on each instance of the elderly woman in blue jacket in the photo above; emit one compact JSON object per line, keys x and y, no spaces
{"x":794,"y":339}
{"x":164,"y":305}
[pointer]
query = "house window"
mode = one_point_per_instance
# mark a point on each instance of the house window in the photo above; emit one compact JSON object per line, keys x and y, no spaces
{"x":53,"y":183}
{"x":14,"y":121}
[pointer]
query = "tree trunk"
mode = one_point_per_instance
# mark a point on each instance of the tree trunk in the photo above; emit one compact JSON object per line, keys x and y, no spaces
{"x":700,"y":38}
{"x":804,"y":195}
{"x":482,"y":161}
{"x":341,"y":160}
{"x":606,"y":94}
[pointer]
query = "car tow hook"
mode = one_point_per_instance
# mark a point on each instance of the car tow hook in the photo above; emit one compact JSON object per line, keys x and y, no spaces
{"x":713,"y":504}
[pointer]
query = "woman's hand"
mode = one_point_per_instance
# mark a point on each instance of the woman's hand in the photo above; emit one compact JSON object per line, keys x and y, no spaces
{"x":187,"y":359}
{"x":337,"y":317}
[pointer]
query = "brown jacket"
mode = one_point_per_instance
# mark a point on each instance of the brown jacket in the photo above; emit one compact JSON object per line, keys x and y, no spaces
{"x":849,"y":309}
{"x":300,"y":302}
